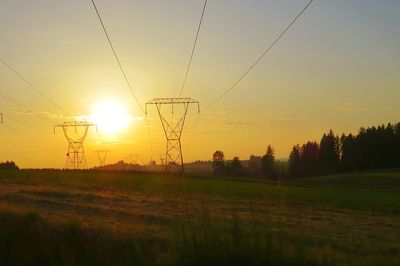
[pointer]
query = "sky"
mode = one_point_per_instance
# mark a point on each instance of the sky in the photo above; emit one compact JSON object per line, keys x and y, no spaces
{"x":337,"y":68}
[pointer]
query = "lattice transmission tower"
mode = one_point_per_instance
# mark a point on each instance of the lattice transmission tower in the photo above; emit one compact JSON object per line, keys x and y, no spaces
{"x":133,"y":158}
{"x":1,"y":118}
{"x":75,"y":154}
{"x":173,"y":129}
{"x":162,"y":159}
{"x":102,"y":156}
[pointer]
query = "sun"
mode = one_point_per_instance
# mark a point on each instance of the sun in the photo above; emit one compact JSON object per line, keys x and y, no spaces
{"x":110,"y":116}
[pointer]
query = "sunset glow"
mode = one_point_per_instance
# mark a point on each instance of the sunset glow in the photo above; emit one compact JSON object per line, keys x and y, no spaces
{"x":110,"y":116}
{"x":320,"y":75}
{"x":198,"y":132}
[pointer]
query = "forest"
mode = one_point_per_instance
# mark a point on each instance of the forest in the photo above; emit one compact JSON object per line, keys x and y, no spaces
{"x":371,"y":148}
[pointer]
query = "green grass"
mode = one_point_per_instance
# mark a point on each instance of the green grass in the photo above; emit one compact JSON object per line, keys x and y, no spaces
{"x":369,"y":181}
{"x":372,"y":191}
{"x":351,"y":219}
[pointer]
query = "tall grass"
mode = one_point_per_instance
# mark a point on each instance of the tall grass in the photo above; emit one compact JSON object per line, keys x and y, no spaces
{"x":231,"y":242}
{"x":27,"y":239}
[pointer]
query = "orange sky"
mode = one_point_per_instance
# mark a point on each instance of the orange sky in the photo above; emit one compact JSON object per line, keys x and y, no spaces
{"x":336,"y":68}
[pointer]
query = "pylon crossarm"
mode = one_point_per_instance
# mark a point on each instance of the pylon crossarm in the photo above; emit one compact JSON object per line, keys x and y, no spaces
{"x":172,"y":101}
{"x":75,"y":125}
{"x":79,"y":139}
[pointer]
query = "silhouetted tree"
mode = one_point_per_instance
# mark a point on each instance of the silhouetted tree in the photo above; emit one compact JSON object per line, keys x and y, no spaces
{"x":371,"y":148}
{"x":397,"y":145}
{"x":329,"y":154}
{"x":8,"y":165}
{"x":309,"y":159}
{"x":377,"y":147}
{"x":268,"y":163}
{"x":389,"y":146}
{"x":255,"y":165}
{"x":218,"y":163}
{"x":235,"y":167}
{"x":294,"y":162}
{"x":350,"y":154}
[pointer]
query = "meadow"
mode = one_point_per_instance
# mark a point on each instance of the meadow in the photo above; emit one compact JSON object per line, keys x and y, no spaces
{"x":125,"y":218}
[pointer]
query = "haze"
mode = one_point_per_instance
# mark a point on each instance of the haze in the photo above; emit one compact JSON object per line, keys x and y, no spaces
{"x":336,"y":68}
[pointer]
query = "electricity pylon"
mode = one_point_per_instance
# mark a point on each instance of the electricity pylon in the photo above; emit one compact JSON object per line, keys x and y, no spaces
{"x":162,"y":159}
{"x":102,"y":155}
{"x":76,"y":153}
{"x":1,"y":118}
{"x":133,"y":158}
{"x":173,"y":130}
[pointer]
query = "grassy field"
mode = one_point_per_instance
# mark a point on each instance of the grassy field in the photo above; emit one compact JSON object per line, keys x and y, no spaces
{"x":87,"y":218}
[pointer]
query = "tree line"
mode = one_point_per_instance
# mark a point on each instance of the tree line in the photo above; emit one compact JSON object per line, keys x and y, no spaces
{"x":370,"y":148}
{"x":257,"y":166}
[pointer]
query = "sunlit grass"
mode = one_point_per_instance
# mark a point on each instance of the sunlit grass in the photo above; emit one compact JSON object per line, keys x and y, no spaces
{"x":174,"y":220}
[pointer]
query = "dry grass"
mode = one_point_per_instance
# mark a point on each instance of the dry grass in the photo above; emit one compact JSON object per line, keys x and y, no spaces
{"x":173,"y":210}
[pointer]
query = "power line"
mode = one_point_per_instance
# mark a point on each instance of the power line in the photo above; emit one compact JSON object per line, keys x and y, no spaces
{"x":26,"y":124}
{"x":16,"y":132}
{"x":17,"y":145}
{"x":22,"y":108}
{"x":33,"y":87}
{"x":194,"y":129}
{"x":123,"y":72}
{"x":23,"y":155}
{"x":11,"y":100}
{"x":116,"y":56}
{"x":193,"y":48}
{"x":261,"y":57}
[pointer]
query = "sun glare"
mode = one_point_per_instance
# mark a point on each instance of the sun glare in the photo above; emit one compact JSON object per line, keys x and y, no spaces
{"x":110,"y":116}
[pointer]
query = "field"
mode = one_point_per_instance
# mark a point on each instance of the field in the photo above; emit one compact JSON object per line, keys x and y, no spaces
{"x":89,"y":218}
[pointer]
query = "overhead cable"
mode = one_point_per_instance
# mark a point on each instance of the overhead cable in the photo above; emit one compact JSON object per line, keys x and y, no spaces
{"x":33,"y":87}
{"x":116,"y":56}
{"x":260,"y":57}
{"x":193,"y":48}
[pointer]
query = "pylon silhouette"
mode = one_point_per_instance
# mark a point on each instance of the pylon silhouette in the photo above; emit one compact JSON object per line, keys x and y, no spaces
{"x":133,"y":158}
{"x":173,"y":130}
{"x":162,"y":159}
{"x":75,"y":154}
{"x":102,"y":156}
